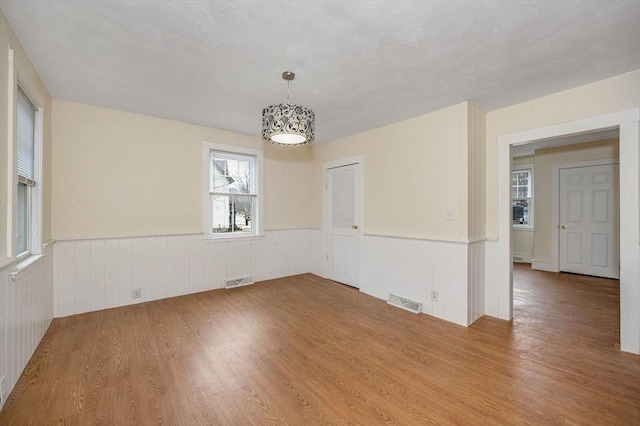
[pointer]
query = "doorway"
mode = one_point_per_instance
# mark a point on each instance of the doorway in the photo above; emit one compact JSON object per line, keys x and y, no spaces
{"x":343,"y":219}
{"x":627,"y":123}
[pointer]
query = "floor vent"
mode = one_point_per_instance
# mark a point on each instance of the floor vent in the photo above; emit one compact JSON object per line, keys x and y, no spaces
{"x":238,"y":282}
{"x":406,"y":304}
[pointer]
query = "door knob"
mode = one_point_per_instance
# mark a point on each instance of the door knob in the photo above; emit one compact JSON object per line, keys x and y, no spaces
{"x":563,"y":226}
{"x":354,"y":226}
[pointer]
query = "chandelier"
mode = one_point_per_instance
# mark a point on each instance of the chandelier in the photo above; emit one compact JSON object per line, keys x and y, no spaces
{"x":286,"y":123}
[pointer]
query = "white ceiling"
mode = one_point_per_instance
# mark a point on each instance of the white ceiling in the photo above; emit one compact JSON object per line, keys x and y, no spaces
{"x":359,"y":64}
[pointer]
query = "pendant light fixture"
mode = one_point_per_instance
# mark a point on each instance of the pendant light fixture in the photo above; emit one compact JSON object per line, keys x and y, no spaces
{"x":288,"y":124}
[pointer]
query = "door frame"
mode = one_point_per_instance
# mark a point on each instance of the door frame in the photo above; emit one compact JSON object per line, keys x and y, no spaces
{"x":359,"y":200}
{"x":628,"y":124}
{"x":555,"y":204}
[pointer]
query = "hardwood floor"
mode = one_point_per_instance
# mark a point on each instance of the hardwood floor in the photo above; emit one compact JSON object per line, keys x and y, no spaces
{"x":303,"y":351}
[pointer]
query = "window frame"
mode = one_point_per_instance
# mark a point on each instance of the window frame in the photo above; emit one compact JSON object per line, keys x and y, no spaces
{"x":35,"y":188}
{"x":207,"y":149}
{"x":520,"y":168}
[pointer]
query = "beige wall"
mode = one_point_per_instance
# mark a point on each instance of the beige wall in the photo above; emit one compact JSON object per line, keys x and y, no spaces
{"x":122,"y":174}
{"x":545,"y":160}
{"x":23,"y":69}
{"x":415,"y":170}
{"x":476,"y":185}
{"x":615,"y":94}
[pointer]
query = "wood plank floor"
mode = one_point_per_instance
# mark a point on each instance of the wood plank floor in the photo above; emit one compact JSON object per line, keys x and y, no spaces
{"x":305,"y":351}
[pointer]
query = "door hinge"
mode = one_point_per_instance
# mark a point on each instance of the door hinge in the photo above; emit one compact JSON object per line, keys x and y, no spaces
{"x":326,"y":258}
{"x":326,"y":186}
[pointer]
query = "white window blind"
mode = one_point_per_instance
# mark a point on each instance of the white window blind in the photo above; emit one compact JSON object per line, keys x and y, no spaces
{"x":26,"y":118}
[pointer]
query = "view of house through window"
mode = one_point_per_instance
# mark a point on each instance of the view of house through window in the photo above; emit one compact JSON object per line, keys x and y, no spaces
{"x":521,"y":197}
{"x":232,"y":192}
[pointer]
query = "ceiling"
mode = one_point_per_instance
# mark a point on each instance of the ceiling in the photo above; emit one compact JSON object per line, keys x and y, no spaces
{"x":359,"y":64}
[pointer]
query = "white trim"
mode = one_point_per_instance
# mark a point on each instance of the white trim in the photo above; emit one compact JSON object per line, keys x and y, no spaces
{"x":627,"y":122}
{"x":225,"y":238}
{"x":183,"y":234}
{"x":555,"y":204}
{"x":419,"y":237}
{"x":569,"y":128}
{"x":525,"y":257}
{"x":543,"y":266}
{"x":357,"y":159}
{"x":25,"y":266}
{"x":113,"y":237}
{"x":12,"y":154}
{"x":37,"y":192}
{"x":207,"y":147}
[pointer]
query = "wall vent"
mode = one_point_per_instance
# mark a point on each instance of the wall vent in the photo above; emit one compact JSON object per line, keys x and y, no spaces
{"x":406,"y":304}
{"x":517,"y":259}
{"x":238,"y":282}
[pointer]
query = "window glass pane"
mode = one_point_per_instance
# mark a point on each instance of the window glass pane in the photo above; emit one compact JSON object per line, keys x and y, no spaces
{"x":220,"y":184}
{"x":523,"y":192}
{"x":521,"y":212}
{"x":232,"y":213}
{"x":23,"y":219}
{"x":232,"y":176}
{"x":522,"y":178}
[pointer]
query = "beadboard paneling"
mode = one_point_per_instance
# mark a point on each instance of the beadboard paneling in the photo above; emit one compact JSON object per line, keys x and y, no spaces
{"x":167,"y":266}
{"x":412,"y":268}
{"x":476,"y":274}
{"x":102,"y":273}
{"x":26,"y":307}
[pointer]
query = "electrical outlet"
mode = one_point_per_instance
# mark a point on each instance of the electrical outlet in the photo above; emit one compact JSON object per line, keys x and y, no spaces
{"x":434,"y":295}
{"x":3,"y":390}
{"x":137,"y":293}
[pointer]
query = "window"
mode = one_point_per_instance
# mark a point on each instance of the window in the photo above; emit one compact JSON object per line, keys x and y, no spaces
{"x":233,"y":191}
{"x":522,"y":197}
{"x":28,"y":119}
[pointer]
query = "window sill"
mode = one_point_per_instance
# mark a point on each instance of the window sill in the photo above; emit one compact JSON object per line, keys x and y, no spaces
{"x":23,"y":266}
{"x":228,"y":238}
{"x":523,"y":228}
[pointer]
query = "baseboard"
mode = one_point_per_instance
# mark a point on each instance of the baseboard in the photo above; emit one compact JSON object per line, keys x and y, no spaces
{"x":522,"y":258}
{"x":543,"y":266}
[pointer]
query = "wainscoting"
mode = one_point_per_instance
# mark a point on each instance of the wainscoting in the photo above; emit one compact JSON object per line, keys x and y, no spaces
{"x":26,"y":310}
{"x":412,"y":268}
{"x":97,"y":274}
{"x":102,"y":273}
{"x":475,"y":277}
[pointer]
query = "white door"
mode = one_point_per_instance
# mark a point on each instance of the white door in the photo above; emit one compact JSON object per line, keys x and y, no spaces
{"x":343,"y":197}
{"x":589,"y":221}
